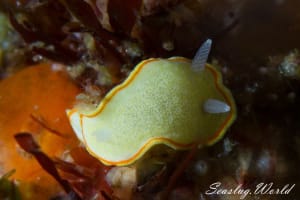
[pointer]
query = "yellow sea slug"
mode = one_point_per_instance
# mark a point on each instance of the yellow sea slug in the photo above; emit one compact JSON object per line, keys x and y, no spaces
{"x":176,"y":102}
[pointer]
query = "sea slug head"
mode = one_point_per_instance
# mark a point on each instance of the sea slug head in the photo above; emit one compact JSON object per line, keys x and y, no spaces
{"x":175,"y":102}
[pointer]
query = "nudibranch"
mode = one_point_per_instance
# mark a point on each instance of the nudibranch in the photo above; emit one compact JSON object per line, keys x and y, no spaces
{"x":176,"y":102}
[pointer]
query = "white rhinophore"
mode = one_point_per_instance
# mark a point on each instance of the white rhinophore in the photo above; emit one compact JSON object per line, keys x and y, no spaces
{"x":198,"y":62}
{"x":215,"y":106}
